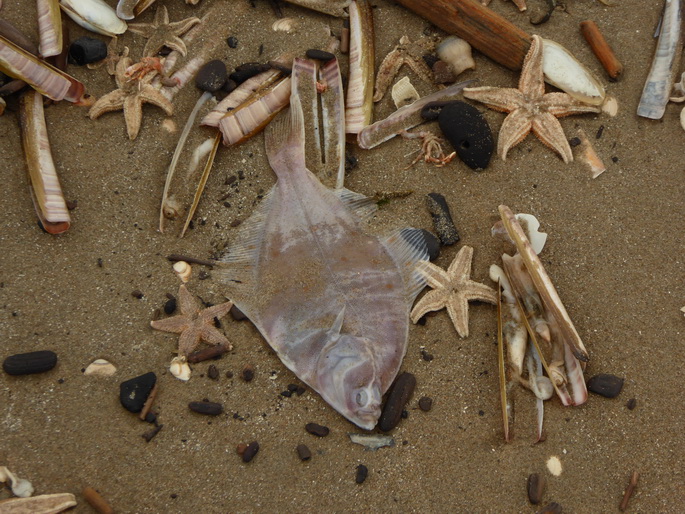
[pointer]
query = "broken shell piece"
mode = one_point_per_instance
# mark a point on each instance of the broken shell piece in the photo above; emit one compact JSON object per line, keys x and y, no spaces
{"x":183,"y":270}
{"x":372,"y":441}
{"x":43,"y":504}
{"x":404,"y":93}
{"x":564,"y":71}
{"x":180,"y":368}
{"x":287,"y":25}
{"x":682,"y":118}
{"x":100,"y":368}
{"x":20,"y":486}
{"x":531,"y":225}
{"x":589,"y":156}
{"x":610,"y":106}
{"x":457,"y":53}
{"x":679,"y":90}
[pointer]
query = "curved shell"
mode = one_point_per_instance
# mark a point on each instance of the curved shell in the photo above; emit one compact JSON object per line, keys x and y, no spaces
{"x":457,"y":53}
{"x":404,"y":93}
{"x":94,"y":15}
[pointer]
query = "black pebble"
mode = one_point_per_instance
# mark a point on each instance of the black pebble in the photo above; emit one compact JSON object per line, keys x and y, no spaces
{"x":137,"y":294}
{"x":469,"y":133}
{"x":134,"y":392}
{"x":319,"y":55}
{"x":170,"y":306}
{"x":248,"y":373}
{"x":605,"y":385}
{"x":442,"y":219}
{"x":232,"y":42}
{"x":86,"y":50}
{"x":247,"y":71}
{"x":250,"y":451}
{"x":362,"y":473}
{"x":316,"y":429}
{"x":206,"y":408}
{"x":432,"y":244}
{"x":536,"y":488}
{"x":350,"y":161}
{"x":293,"y":387}
{"x":286,"y":394}
{"x":29,"y":363}
{"x":425,"y":403}
{"x":303,"y":452}
{"x":211,"y":76}
{"x":631,"y":404}
{"x":213,"y":372}
{"x":399,"y":395}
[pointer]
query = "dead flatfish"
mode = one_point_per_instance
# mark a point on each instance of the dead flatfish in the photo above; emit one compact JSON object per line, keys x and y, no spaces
{"x":330,"y":299}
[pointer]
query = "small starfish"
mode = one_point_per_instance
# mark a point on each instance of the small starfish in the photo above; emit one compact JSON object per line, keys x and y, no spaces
{"x":130,"y":96}
{"x":452,"y":289}
{"x":110,"y":62}
{"x":161,"y":33}
{"x":407,"y":53}
{"x":194,"y":324}
{"x":530,"y":108}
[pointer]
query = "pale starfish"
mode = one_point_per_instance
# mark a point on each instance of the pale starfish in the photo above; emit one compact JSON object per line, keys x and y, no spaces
{"x":162,"y":33}
{"x":194,"y":324}
{"x":530,"y":108}
{"x":407,"y":53}
{"x":130,"y":96}
{"x":452,"y":289}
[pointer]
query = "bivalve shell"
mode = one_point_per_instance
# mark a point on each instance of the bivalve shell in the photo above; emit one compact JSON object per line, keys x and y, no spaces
{"x":100,"y":368}
{"x":94,"y":15}
{"x":288,"y":25}
{"x":457,"y":53}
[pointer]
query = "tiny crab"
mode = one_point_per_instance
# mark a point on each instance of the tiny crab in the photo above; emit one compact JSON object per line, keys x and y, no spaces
{"x":146,"y":65}
{"x":431,"y":148}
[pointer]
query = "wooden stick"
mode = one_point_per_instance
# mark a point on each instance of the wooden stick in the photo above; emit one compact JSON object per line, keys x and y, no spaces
{"x":96,"y":501}
{"x":601,"y":48}
{"x":482,"y":28}
{"x":629,"y":490}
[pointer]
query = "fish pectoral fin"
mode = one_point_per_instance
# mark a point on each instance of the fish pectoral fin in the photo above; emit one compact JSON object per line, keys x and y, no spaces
{"x":408,"y":248}
{"x":363,"y":206}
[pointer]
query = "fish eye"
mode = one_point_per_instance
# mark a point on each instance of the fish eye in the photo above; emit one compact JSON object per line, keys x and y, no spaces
{"x":362,"y":398}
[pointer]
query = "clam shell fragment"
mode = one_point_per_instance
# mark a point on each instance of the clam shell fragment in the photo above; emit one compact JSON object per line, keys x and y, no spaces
{"x":457,"y":53}
{"x":94,"y":15}
{"x":404,"y":93}
{"x":100,"y":368}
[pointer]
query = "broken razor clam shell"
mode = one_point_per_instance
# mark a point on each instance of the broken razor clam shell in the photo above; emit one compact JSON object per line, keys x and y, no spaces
{"x":94,"y":15}
{"x":359,"y":102}
{"x":457,"y":53}
{"x":372,"y":441}
{"x":564,"y":71}
{"x":43,"y":504}
{"x":404,"y":93}
{"x":49,"y":27}
{"x":20,"y":486}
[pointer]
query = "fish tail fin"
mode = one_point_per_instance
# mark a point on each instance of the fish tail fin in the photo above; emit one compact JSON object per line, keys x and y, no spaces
{"x":284,"y":139}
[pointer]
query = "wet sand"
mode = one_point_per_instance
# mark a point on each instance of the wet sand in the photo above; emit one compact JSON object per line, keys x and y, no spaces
{"x":614,"y":252}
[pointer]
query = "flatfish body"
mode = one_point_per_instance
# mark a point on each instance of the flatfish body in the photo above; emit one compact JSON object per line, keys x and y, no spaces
{"x":330,"y":299}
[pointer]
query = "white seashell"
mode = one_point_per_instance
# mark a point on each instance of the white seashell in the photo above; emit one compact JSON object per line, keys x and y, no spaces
{"x":404,"y":93}
{"x":94,"y":15}
{"x":20,"y":486}
{"x":457,"y":53}
{"x":682,"y":118}
{"x":287,"y":25}
{"x":530,"y":224}
{"x":610,"y":106}
{"x":564,"y":71}
{"x":180,"y":368}
{"x":100,"y":368}
{"x":171,"y":208}
{"x":183,"y":270}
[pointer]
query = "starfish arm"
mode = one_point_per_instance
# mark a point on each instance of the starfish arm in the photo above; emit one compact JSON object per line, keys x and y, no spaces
{"x":503,"y":99}
{"x":189,"y":340}
{"x":549,"y":130}
{"x":436,"y":277}
{"x":211,"y":335}
{"x":562,"y":104}
{"x":161,"y":16}
{"x":532,"y":81}
{"x":419,"y":67}
{"x":386,"y":73}
{"x":175,"y":324}
{"x":144,"y":29}
{"x":480,"y":292}
{"x":216,"y":311}
{"x":431,"y":301}
{"x":187,"y":302}
{"x":152,"y":95}
{"x":515,"y":128}
{"x":154,"y":44}
{"x":176,"y":43}
{"x":112,"y":101}
{"x":458,"y":310}
{"x":461,"y":265}
{"x":133,"y":114}
{"x":183,"y":26}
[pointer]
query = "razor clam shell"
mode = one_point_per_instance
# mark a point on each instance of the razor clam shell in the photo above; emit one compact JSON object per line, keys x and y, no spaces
{"x":49,"y":27}
{"x":359,"y":104}
{"x":41,"y":504}
{"x":333,"y":7}
{"x":47,"y":193}
{"x":43,"y":77}
{"x":664,"y":65}
{"x":564,"y":71}
{"x":94,"y":15}
{"x":333,"y":112}
{"x":543,"y":284}
{"x":125,"y":9}
{"x":407,"y":117}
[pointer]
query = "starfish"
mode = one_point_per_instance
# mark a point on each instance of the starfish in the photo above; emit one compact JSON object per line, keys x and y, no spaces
{"x":130,"y":96}
{"x":407,"y":53}
{"x":161,"y":33}
{"x":530,"y":108}
{"x":194,"y":324}
{"x":452,"y":289}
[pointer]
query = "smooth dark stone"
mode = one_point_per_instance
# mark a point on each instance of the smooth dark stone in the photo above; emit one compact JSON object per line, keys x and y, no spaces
{"x":432,"y":244}
{"x":86,"y":50}
{"x":232,"y":41}
{"x":213,"y":372}
{"x":469,"y":133}
{"x":247,"y":71}
{"x":605,"y":385}
{"x":317,"y":430}
{"x":283,"y":68}
{"x":250,"y":451}
{"x":30,"y":363}
{"x":170,"y":306}
{"x":631,"y":404}
{"x":303,"y":452}
{"x":550,"y":508}
{"x":536,"y":488}
{"x":362,"y":473}
{"x":286,"y":393}
{"x":319,"y":55}
{"x":211,"y":76}
{"x":248,"y":373}
{"x":206,"y":408}
{"x":134,"y":392}
{"x":399,"y":395}
{"x":425,"y":403}
{"x":442,"y":219}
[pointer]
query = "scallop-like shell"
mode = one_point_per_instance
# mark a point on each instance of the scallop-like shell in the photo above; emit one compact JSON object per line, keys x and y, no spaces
{"x":183,"y":270}
{"x":404,"y":93}
{"x":457,"y":53}
{"x":287,"y":25}
{"x":100,"y":368}
{"x":180,"y":368}
{"x":564,"y":71}
{"x":94,"y":15}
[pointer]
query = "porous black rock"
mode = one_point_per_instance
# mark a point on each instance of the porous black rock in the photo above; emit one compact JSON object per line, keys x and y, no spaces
{"x":30,"y":363}
{"x":134,"y":392}
{"x":442,"y":219}
{"x":86,"y":50}
{"x":605,"y":385}
{"x":247,"y":71}
{"x":232,"y":41}
{"x":468,"y":132}
{"x":212,"y":76}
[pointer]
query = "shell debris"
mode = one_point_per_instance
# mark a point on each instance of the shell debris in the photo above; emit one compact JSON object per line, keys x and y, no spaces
{"x":457,"y":53}
{"x":100,"y":368}
{"x":183,"y":270}
{"x":404,"y":93}
{"x":554,"y":465}
{"x":287,"y":25}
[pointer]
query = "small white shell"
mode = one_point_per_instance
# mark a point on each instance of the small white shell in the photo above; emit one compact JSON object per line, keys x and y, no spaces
{"x":20,"y":486}
{"x":404,"y":93}
{"x":183,"y":270}
{"x":531,"y":225}
{"x":457,"y":53}
{"x":287,"y":25}
{"x":610,"y":106}
{"x":682,"y":118}
{"x":94,"y":15}
{"x":180,"y":368}
{"x":100,"y":368}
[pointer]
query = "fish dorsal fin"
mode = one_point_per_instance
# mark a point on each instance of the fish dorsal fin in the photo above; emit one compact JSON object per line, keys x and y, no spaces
{"x":363,"y":206}
{"x":336,"y":328}
{"x":407,"y":247}
{"x":284,"y":139}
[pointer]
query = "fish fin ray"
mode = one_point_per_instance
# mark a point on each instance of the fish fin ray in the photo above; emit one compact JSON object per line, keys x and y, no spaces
{"x":363,"y":206}
{"x":284,"y":139}
{"x":407,"y":247}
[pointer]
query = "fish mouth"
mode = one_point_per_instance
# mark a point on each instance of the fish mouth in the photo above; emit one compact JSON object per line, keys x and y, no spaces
{"x":367,"y":417}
